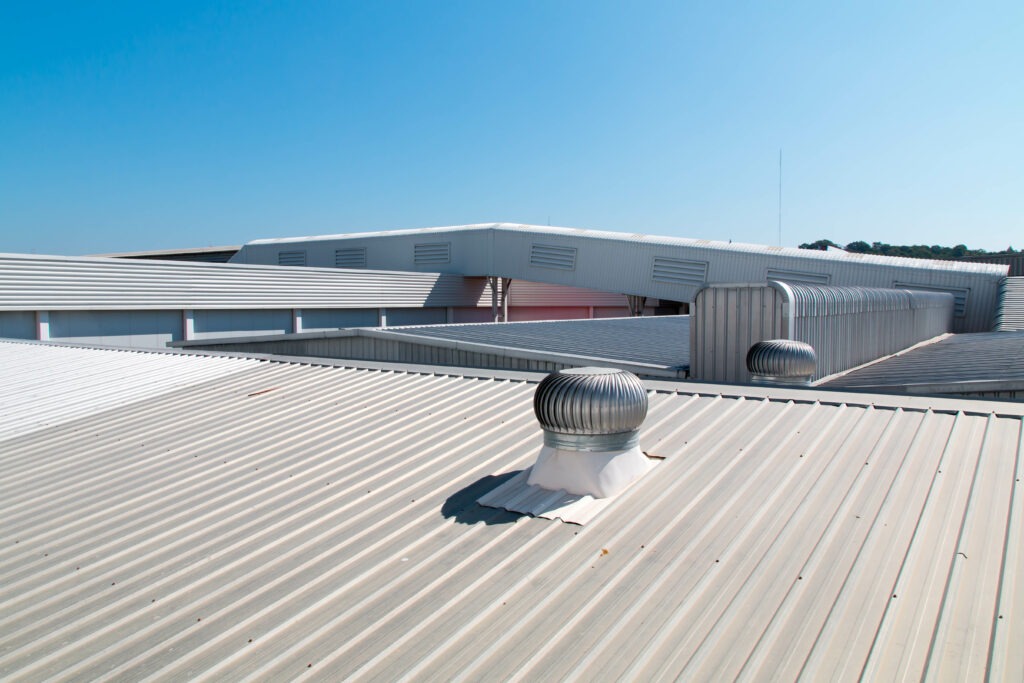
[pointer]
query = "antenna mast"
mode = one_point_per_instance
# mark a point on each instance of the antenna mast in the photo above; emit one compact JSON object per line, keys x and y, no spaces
{"x":780,"y":196}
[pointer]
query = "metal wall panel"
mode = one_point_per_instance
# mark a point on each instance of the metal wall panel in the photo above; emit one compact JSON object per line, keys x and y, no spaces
{"x":625,"y":263}
{"x":217,"y":324}
{"x":416,"y":316}
{"x":126,"y":329}
{"x":328,"y":319}
{"x":80,"y":283}
{"x":18,"y":324}
{"x":725,"y":322}
{"x":847,"y":326}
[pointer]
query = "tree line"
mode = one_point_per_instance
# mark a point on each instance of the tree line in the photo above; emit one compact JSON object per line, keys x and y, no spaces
{"x":934,"y":251}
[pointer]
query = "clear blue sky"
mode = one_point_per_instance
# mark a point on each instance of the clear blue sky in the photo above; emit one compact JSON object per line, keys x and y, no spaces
{"x":149,"y":125}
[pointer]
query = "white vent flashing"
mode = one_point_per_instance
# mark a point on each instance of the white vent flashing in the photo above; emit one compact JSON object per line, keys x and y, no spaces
{"x":598,"y":474}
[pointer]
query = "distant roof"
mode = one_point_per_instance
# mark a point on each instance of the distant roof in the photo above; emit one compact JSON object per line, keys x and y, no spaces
{"x":642,"y":238}
{"x":297,"y":518}
{"x":656,"y":346}
{"x":977,"y":363}
{"x":659,"y":340}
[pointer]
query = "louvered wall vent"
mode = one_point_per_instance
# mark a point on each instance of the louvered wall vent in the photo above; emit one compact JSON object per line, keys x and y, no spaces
{"x":553,"y":256}
{"x":350,"y":258}
{"x":798,"y":276}
{"x":435,"y":252}
{"x":676,"y":271}
{"x":291,"y":258}
{"x":959,"y":295}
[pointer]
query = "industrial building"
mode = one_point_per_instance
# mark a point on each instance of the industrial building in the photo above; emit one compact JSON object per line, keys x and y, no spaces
{"x":322,"y":481}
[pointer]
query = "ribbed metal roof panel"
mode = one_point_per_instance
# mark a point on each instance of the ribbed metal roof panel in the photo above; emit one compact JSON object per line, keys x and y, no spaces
{"x":67,"y":282}
{"x":296,"y":519}
{"x":959,"y":361}
{"x":660,"y":340}
{"x":43,"y":385}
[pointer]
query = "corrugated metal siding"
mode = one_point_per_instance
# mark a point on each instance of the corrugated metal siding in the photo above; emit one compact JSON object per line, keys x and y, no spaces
{"x":960,"y":363}
{"x":524,"y":293}
{"x":624,"y":263}
{"x":276,"y":524}
{"x":725,"y":322}
{"x":1010,"y":313}
{"x":847,"y":326}
{"x":68,"y":283}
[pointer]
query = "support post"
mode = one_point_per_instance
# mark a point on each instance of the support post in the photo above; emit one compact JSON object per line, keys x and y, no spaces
{"x":382,"y":317}
{"x":188,"y":325}
{"x":506,"y":285}
{"x":636,"y":304}
{"x":43,"y":325}
{"x":297,"y":320}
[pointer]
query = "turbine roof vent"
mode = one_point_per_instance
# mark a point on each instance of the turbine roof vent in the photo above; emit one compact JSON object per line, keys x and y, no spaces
{"x":781,"y":361}
{"x":591,"y":419}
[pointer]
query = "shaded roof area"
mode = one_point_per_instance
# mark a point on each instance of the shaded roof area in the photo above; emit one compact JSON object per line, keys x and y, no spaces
{"x":984,"y":361}
{"x":297,"y":518}
{"x":205,"y":254}
{"x":659,"y":340}
{"x":647,"y":346}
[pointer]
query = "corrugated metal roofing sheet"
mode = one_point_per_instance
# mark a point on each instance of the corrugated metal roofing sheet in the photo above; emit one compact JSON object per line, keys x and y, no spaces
{"x":660,"y":340}
{"x":43,"y":385}
{"x":984,"y":361}
{"x":295,"y":519}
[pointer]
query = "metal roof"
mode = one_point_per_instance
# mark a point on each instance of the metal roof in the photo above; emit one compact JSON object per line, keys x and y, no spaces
{"x":297,"y":519}
{"x":660,"y":340}
{"x":29,"y":282}
{"x":648,"y":346}
{"x":669,"y":268}
{"x":45,"y":385}
{"x":959,"y":363}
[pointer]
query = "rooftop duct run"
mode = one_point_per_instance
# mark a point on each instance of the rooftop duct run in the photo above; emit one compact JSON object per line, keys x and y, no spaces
{"x":781,"y":361}
{"x":591,"y":419}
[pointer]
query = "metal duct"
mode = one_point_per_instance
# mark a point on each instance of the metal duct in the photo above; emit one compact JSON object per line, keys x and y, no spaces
{"x":781,"y":361}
